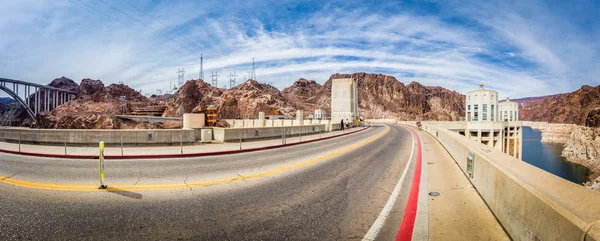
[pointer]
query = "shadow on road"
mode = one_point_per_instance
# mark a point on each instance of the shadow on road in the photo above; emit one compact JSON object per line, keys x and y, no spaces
{"x":125,"y":193}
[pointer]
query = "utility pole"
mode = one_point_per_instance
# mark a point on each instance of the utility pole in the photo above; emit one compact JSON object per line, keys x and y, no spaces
{"x":180,"y":76}
{"x":232,"y":78}
{"x":214,"y":77}
{"x":201,"y":75}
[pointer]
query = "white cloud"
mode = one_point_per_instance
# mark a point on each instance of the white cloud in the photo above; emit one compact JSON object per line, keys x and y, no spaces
{"x":507,"y":51}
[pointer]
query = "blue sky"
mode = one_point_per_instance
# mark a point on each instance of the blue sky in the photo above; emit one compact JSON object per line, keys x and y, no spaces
{"x":520,"y":48}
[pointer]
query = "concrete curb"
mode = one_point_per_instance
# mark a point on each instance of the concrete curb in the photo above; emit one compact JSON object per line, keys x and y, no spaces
{"x":159,"y":156}
{"x":405,"y":232}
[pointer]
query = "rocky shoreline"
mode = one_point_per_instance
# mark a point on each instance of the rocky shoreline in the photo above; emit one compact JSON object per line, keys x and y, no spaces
{"x":581,"y":145}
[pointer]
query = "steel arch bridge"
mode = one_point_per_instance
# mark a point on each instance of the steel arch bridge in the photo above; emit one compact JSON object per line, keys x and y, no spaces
{"x":35,"y":98}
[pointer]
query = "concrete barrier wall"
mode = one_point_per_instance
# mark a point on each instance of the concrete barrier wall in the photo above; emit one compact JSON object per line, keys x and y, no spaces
{"x":60,"y":136}
{"x":390,"y":121}
{"x":531,"y":204}
{"x":234,"y":134}
{"x":536,"y":125}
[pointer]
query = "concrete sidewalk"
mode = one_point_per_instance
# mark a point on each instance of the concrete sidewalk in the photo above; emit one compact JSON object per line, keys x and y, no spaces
{"x":458,"y":213}
{"x":173,"y":149}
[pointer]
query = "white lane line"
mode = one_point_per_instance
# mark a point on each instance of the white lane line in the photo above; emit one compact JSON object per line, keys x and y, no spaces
{"x":376,"y":227}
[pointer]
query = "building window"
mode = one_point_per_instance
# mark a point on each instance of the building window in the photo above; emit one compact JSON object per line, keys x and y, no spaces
{"x":484,"y":113}
{"x":516,"y":116}
{"x":468,"y":107}
{"x":476,"y":113}
{"x":511,"y":116}
{"x":493,"y":115}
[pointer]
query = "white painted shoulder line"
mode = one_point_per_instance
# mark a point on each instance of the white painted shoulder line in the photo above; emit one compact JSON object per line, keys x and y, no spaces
{"x":376,"y":227}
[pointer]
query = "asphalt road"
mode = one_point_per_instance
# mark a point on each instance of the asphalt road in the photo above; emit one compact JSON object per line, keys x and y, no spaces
{"x":339,"y":197}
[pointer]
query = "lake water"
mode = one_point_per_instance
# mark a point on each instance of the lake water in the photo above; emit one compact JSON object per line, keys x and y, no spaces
{"x":548,"y":157}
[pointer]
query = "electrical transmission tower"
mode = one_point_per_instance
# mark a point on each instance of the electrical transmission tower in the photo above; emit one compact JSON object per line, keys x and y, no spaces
{"x":180,"y":76}
{"x":201,"y":75}
{"x":232,"y":78}
{"x":214,"y":78}
{"x":253,"y":70}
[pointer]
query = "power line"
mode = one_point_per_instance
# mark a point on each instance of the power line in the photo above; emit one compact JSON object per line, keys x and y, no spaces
{"x":215,"y":79}
{"x":201,"y":74}
{"x":124,"y":24}
{"x":180,"y":76}
{"x":232,"y":79}
{"x":139,"y":21}
{"x":157,"y":20}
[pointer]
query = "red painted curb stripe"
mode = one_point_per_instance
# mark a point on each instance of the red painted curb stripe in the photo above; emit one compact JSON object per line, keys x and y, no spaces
{"x":157,"y":156}
{"x":410,"y":212}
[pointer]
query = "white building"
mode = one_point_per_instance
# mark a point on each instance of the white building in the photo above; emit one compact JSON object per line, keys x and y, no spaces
{"x":320,"y":114}
{"x":486,"y":123}
{"x":509,"y":110}
{"x":344,"y":100}
{"x":481,"y":105}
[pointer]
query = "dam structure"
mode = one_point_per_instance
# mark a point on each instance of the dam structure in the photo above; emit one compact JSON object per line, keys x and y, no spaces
{"x":491,"y":123}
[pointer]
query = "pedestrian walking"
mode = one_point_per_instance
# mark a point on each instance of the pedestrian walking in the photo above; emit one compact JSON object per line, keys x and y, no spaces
{"x":342,"y":124}
{"x":347,"y":124}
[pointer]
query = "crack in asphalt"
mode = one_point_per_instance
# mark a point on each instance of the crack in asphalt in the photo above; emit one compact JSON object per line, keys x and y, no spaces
{"x":386,"y":191}
{"x":11,"y":176}
{"x":185,"y":182}
{"x":136,"y":182}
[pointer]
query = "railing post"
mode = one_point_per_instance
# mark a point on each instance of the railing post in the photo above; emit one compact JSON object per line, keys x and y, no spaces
{"x":240,"y":136}
{"x":121,"y":135}
{"x":19,"y":141}
{"x":181,"y":143}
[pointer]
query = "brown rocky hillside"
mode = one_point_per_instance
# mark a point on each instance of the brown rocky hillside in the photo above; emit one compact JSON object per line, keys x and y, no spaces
{"x":383,"y":96}
{"x":581,"y":107}
{"x":242,"y":101}
{"x":380,"y":96}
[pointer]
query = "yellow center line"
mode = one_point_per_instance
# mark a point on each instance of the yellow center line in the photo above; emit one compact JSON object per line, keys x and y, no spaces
{"x":201,"y":183}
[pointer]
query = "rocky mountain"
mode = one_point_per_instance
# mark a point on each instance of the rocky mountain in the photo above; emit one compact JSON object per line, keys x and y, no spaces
{"x":581,"y":107}
{"x":528,"y":100}
{"x":380,"y":96}
{"x":5,"y":101}
{"x":65,"y":84}
{"x":302,"y":91}
{"x":96,"y":108}
{"x":242,"y":101}
{"x":383,"y":96}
